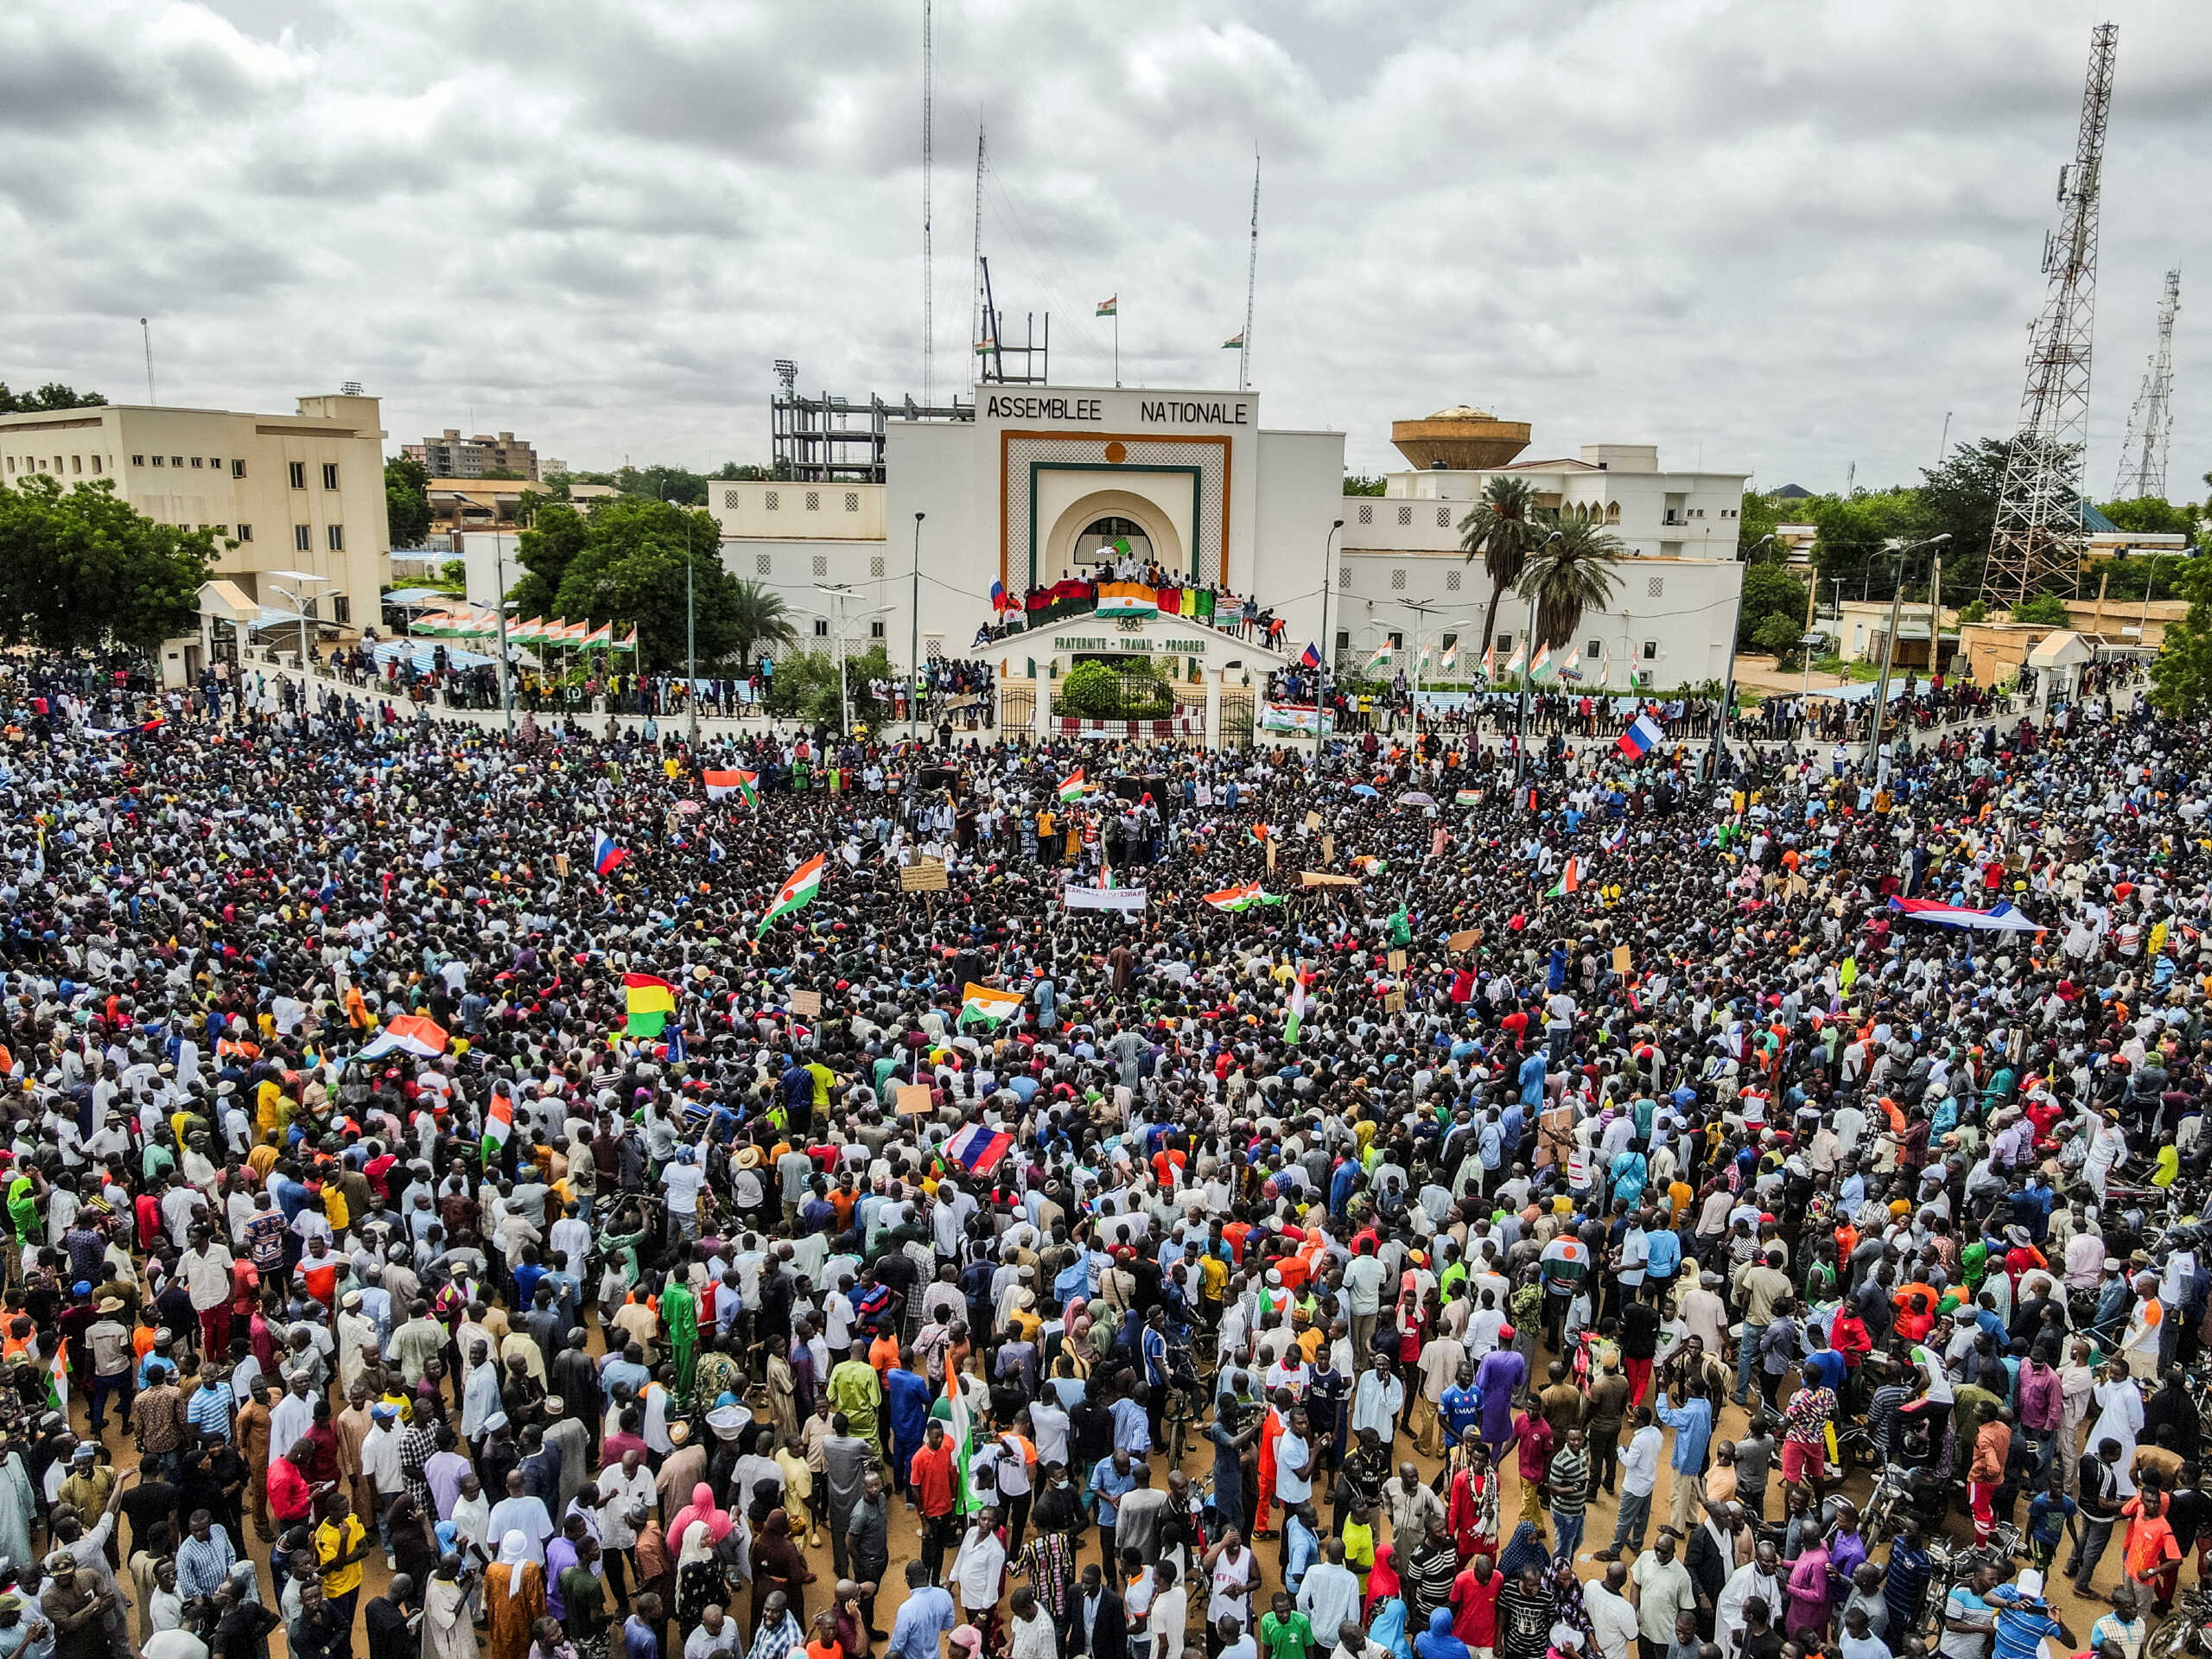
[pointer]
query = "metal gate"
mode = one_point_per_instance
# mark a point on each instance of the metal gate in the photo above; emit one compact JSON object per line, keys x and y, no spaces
{"x":1237,"y":711}
{"x":1017,"y":706}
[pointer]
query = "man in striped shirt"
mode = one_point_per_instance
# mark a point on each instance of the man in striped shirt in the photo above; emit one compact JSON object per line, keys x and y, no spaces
{"x":1567,"y":1493}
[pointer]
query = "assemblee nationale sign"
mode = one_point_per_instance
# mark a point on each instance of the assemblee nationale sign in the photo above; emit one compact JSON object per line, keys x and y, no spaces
{"x":1151,"y":411}
{"x":1134,"y":643}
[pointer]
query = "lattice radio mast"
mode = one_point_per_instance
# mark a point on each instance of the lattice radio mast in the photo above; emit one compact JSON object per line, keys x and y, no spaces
{"x":929,"y":264}
{"x":1251,"y":283}
{"x":2039,"y":534}
{"x":2150,"y":423}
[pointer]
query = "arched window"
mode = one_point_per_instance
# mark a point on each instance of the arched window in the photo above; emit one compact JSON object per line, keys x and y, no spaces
{"x":1096,"y":544}
{"x":1613,"y":512}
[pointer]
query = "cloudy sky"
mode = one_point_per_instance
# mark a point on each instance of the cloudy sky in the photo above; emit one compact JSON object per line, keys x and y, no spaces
{"x":1782,"y":235}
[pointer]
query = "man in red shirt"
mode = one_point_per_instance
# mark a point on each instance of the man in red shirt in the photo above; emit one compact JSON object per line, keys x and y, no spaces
{"x":932,"y":1478}
{"x":290,"y":1497}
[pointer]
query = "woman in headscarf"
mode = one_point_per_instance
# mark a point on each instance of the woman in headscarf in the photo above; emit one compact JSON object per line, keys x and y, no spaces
{"x":1437,"y":1641}
{"x":412,"y":1552}
{"x":700,"y":1508}
{"x":514,"y":1599}
{"x":1386,"y":1610}
{"x":778,"y":1564}
{"x":1383,"y":1578}
{"x":1567,"y":1604}
{"x":698,"y":1575}
{"x":1525,"y":1548}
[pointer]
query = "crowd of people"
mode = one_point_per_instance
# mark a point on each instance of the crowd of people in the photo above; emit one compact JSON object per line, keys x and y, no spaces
{"x":1083,"y":1200}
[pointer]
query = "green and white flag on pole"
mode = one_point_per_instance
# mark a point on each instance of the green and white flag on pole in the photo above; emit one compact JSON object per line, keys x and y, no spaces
{"x":1297,"y":1009}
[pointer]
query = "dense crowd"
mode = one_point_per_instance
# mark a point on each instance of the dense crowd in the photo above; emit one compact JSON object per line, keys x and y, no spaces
{"x":1160,"y":1200}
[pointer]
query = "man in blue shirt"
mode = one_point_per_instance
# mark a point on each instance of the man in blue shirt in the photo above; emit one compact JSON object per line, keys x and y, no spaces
{"x":1114,"y":1476}
{"x":925,"y":1618}
{"x":1692,"y":1422}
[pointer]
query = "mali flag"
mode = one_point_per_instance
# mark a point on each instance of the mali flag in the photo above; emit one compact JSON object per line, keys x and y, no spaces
{"x":650,"y":1001}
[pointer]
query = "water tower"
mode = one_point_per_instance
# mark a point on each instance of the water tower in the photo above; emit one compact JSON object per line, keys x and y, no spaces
{"x":1459,"y":439}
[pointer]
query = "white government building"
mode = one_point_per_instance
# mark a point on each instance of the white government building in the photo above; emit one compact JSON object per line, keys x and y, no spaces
{"x":1043,"y":478}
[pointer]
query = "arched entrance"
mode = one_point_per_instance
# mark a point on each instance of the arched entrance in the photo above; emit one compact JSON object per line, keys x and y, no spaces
{"x":1075,"y":529}
{"x":1101,"y":541}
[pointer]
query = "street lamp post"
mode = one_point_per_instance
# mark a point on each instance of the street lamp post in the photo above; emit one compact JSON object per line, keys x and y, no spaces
{"x":300,"y":611}
{"x":838,"y":595}
{"x":1728,"y":683}
{"x":1528,"y":658}
{"x":1889,"y":650}
{"x":914,"y":640}
{"x":1321,"y":686}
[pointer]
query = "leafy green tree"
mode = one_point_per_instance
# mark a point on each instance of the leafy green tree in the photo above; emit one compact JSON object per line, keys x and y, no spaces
{"x":2181,"y":674}
{"x":637,"y":560}
{"x":1975,"y":611}
{"x":2150,"y":515}
{"x":1960,"y":497}
{"x":1856,"y":533}
{"x":1570,"y":572}
{"x":80,"y":569}
{"x":406,"y":501}
{"x":2043,"y":611}
{"x":1770,"y":590}
{"x":1779,"y":636}
{"x":1501,"y":527}
{"x":733,"y":471}
{"x":51,"y":395}
{"x":502,"y":475}
{"x":662,"y":483}
{"x":557,"y":533}
{"x":758,"y":618}
{"x":1363,"y":484}
{"x":1761,"y":513}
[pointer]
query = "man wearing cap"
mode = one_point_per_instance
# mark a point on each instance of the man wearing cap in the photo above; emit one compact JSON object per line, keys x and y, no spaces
{"x":113,"y":1364}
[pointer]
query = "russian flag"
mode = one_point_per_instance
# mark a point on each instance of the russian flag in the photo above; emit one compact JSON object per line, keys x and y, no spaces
{"x":998,"y":596}
{"x":604,"y":854}
{"x":1310,"y":657}
{"x":1643,"y":736}
{"x":978,"y":1147}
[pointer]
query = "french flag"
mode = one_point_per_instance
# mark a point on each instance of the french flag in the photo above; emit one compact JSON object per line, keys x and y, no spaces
{"x":978,"y":1147}
{"x":1310,"y":657}
{"x":604,"y":854}
{"x":1643,"y":736}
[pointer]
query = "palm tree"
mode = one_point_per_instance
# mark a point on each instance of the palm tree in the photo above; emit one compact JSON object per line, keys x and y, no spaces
{"x":1502,"y":527}
{"x":757,"y":618}
{"x":1570,"y":572}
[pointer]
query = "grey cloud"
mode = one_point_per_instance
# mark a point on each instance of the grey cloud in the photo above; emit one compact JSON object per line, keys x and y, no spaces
{"x":1795,"y":234}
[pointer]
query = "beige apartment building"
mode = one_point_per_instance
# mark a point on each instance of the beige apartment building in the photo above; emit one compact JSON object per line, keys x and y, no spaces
{"x":297,"y":493}
{"x":452,"y":455}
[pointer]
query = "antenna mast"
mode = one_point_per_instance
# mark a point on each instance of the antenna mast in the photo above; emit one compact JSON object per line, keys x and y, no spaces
{"x":929,"y":267}
{"x":1251,"y":277}
{"x":975,"y":253}
{"x":2150,"y":423}
{"x":2040,"y":535}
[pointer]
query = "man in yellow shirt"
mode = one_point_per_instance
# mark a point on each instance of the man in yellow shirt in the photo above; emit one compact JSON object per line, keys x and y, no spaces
{"x":340,"y":1542}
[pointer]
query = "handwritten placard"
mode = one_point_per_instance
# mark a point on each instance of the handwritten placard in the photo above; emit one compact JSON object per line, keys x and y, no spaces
{"x":1396,"y":960}
{"x":914,"y":1099}
{"x":807,"y":1004}
{"x":1313,"y":820}
{"x":1465,"y":939}
{"x":1620,"y":959}
{"x":925,"y":876}
{"x":1328,"y":850}
{"x":1394,"y":1002}
{"x":1271,"y":853}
